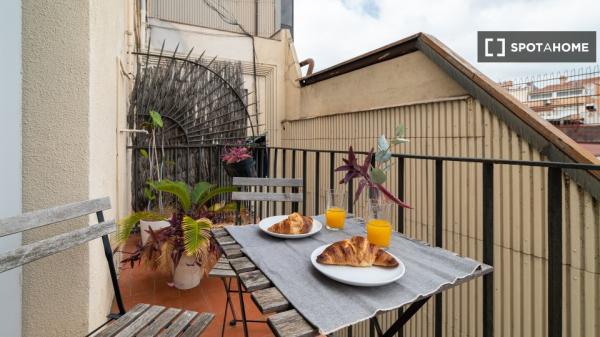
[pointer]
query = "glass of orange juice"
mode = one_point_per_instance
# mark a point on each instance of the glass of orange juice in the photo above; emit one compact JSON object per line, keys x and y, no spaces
{"x":335,"y":215}
{"x":379,"y":228}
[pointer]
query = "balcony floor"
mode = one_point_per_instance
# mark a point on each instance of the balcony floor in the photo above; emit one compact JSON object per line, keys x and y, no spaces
{"x":139,"y":285}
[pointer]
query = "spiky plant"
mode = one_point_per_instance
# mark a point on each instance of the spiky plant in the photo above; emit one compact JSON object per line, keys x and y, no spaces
{"x":193,"y":203}
{"x":166,"y":246}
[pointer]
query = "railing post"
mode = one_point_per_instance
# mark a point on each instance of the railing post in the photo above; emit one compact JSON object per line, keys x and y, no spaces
{"x":283,"y":165}
{"x":439,"y":208}
{"x":488,"y":248}
{"x":304,"y":158}
{"x":317,"y":181}
{"x":401,"y":194}
{"x":294,"y":189}
{"x":274,"y":175}
{"x":331,"y":169}
{"x":554,"y":252}
{"x":400,"y":217}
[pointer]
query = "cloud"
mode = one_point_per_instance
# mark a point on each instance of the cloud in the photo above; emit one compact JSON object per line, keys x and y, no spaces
{"x":331,"y":31}
{"x":368,"y":7}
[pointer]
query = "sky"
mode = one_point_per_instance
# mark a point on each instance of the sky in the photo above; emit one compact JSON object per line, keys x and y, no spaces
{"x":331,"y":31}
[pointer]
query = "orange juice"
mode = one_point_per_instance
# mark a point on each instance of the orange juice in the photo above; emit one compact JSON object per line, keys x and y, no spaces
{"x":335,"y":217}
{"x":379,"y":232}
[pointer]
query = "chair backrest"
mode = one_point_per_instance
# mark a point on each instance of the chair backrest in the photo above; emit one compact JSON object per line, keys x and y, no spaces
{"x":58,"y":243}
{"x":267,"y":196}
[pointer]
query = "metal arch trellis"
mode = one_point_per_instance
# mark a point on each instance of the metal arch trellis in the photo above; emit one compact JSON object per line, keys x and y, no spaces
{"x":202,"y":103}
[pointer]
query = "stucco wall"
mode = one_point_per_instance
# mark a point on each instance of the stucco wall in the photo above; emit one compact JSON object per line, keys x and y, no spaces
{"x":408,"y":79}
{"x":74,"y":97}
{"x":109,"y":23}
{"x":55,"y":158}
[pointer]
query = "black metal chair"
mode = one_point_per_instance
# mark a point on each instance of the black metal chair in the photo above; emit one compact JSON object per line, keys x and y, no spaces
{"x":143,"y":319}
{"x":253,"y":196}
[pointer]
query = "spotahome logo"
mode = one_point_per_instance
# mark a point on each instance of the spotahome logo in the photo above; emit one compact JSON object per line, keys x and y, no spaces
{"x":536,"y":46}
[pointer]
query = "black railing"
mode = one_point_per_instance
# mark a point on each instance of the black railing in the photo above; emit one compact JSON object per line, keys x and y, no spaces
{"x":267,"y":163}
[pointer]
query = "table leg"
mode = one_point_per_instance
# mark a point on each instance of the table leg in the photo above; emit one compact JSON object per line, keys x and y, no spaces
{"x":406,"y":316}
{"x":242,"y":306}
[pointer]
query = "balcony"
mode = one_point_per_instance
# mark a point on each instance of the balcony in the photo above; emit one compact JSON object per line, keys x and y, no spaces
{"x":486,"y":178}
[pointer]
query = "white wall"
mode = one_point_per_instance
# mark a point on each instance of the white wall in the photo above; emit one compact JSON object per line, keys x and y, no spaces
{"x":10,"y":152}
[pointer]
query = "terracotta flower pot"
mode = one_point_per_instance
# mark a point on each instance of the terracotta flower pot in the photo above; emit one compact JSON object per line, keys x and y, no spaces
{"x":144,"y":225}
{"x":187,"y":274}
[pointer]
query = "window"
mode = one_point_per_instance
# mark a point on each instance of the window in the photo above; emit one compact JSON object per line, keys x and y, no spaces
{"x":540,"y":96}
{"x":568,"y":93}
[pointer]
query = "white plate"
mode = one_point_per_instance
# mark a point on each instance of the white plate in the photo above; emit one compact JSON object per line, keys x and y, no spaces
{"x":265,"y":223}
{"x":358,"y":276}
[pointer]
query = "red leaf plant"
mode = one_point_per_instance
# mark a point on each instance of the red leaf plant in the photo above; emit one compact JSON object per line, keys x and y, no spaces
{"x":355,"y":170}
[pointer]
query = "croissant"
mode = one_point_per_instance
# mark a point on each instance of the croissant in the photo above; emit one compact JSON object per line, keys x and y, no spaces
{"x":356,"y":252}
{"x":294,"y":224}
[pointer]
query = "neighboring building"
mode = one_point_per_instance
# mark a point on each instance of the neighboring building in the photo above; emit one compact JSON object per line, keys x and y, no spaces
{"x":571,"y":101}
{"x":255,"y":33}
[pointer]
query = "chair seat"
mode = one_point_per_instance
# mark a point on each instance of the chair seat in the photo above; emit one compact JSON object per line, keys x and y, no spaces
{"x":145,"y":320}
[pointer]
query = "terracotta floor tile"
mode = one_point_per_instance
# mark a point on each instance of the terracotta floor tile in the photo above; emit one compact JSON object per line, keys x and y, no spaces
{"x":139,"y":285}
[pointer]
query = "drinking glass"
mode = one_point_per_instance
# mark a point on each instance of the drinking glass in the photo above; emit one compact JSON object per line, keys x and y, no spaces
{"x":379,"y":228}
{"x":335,"y":215}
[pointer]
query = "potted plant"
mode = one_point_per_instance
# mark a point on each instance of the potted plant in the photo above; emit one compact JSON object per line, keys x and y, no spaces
{"x":185,"y":245}
{"x":374,"y":176}
{"x":150,"y":219}
{"x":239,"y":162}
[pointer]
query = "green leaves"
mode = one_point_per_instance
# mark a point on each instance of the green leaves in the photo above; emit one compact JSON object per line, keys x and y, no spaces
{"x":195,"y":235}
{"x":156,"y":119}
{"x":383,"y":150}
{"x":178,"y":188}
{"x":144,"y":153}
{"x":127,"y":224}
{"x":200,"y":195}
{"x":399,"y":136}
{"x":213,"y":192}
{"x":378,"y":175}
{"x":199,"y":189}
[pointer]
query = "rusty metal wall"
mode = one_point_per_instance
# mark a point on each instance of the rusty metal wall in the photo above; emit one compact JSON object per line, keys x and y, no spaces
{"x":463,"y":127}
{"x":198,"y":13}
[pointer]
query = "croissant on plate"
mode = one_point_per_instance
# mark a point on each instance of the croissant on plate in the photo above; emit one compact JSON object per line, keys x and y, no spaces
{"x":294,"y":224}
{"x":356,"y":252}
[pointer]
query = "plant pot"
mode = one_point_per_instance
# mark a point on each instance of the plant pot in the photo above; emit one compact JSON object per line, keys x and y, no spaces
{"x":144,"y":225}
{"x":187,"y":274}
{"x":244,"y":168}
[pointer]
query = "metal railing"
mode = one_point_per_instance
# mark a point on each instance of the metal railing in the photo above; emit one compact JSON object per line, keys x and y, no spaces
{"x":269,"y":158}
{"x":566,"y":98}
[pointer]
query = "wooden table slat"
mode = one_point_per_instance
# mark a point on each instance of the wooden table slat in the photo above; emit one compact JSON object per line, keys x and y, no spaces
{"x":234,"y":253}
{"x":141,"y":321}
{"x":113,"y":328}
{"x":290,"y":324}
{"x":270,"y":300}
{"x":222,"y":273}
{"x":218,"y":232}
{"x":179,"y":324}
{"x":159,"y":323}
{"x":221,"y":265}
{"x":225,"y":240}
{"x":198,"y":325}
{"x":242,"y":264}
{"x":254,"y":280}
